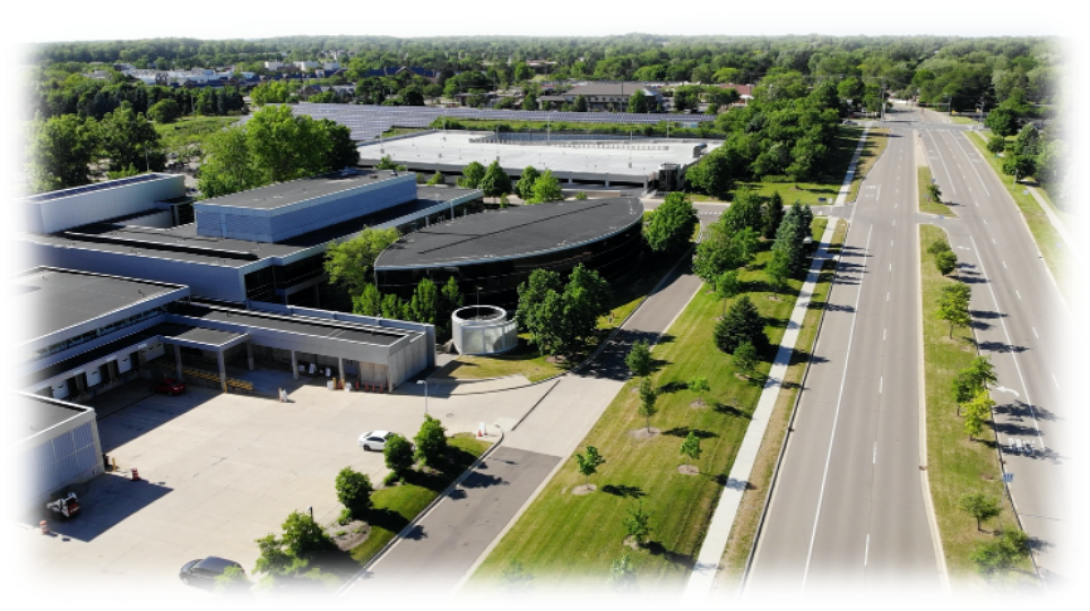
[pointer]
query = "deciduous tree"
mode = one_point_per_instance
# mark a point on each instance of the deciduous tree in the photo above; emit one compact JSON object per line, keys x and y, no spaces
{"x":515,"y":586}
{"x":621,"y":574}
{"x":639,"y":359}
{"x":431,"y":442}
{"x":354,"y":492}
{"x":546,"y":189}
{"x":588,"y":463}
{"x":398,"y":453}
{"x":670,"y":226}
{"x":691,"y":446}
{"x":980,"y":506}
{"x":349,"y":263}
{"x":648,"y":397}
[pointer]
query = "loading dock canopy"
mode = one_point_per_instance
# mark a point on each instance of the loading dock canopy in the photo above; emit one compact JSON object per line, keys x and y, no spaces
{"x":204,"y":339}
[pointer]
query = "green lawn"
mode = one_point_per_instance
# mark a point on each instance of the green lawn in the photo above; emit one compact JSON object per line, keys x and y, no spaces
{"x":629,"y":292}
{"x":1048,"y":241}
{"x":401,"y":131}
{"x":563,"y":536}
{"x":752,"y":505}
{"x":956,"y":464}
{"x":190,"y":131}
{"x":828,"y":185}
{"x":394,"y":509}
{"x":927,"y":205}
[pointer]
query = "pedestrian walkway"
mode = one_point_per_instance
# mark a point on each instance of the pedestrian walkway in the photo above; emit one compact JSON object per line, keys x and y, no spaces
{"x":842,"y":196}
{"x":1057,"y":224}
{"x":715,"y":542}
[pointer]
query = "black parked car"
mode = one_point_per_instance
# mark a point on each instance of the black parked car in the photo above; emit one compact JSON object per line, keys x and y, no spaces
{"x":204,"y":572}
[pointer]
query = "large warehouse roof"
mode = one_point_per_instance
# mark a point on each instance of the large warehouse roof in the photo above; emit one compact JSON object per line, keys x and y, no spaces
{"x":292,"y":192}
{"x":61,"y":299}
{"x":35,"y":414}
{"x":513,"y":232}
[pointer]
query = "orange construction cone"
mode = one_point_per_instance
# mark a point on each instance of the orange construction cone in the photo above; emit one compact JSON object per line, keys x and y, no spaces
{"x":44,"y":526}
{"x":135,"y":475}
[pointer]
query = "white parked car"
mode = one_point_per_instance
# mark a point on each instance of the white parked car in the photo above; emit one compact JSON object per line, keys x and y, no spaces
{"x":374,"y":441}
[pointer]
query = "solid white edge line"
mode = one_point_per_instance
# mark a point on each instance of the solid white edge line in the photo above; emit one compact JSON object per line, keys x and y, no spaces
{"x":836,"y":417}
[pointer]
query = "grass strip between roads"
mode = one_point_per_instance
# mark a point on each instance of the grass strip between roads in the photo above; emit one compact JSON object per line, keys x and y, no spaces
{"x":576,"y":538}
{"x":395,"y":509}
{"x":1049,"y":242}
{"x":527,"y":361}
{"x":928,"y":205}
{"x":744,"y":530}
{"x":956,"y":465}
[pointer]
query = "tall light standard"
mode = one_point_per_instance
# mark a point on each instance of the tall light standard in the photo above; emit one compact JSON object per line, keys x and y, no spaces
{"x":425,"y":383}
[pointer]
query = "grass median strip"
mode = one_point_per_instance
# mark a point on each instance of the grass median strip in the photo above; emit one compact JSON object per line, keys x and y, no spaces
{"x":927,"y":204}
{"x":396,"y":506}
{"x":1049,"y":242}
{"x":749,"y":512}
{"x":956,"y":464}
{"x":575,"y":538}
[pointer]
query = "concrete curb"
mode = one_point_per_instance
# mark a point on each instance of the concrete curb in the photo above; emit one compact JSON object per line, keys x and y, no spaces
{"x":787,"y":434}
{"x":925,"y":476}
{"x":420,"y":516}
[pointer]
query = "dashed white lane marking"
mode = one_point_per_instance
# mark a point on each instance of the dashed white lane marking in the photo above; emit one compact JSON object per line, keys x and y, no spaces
{"x":874,"y":461}
{"x":894,"y":223}
{"x":891,"y":243}
{"x":880,"y":384}
{"x":890,"y":267}
{"x":887,"y":295}
{"x":1035,"y":333}
{"x":993,"y":240}
{"x":985,"y":221}
{"x":883,"y":334}
{"x":866,"y":550}
{"x":1054,"y":380}
{"x":1004,"y":265}
{"x":1019,"y":295}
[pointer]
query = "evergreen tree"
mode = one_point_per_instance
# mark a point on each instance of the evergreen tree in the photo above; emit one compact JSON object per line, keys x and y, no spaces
{"x":495,"y":182}
{"x":773,"y":215}
{"x":743,"y":323}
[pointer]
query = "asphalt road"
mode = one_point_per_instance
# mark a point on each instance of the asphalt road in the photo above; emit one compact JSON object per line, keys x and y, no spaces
{"x":848,"y":510}
{"x":1024,"y":326}
{"x":443,"y":545}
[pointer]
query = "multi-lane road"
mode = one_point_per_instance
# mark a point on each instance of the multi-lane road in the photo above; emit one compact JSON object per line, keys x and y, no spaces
{"x":1025,"y":327}
{"x":851,"y":507}
{"x":848,"y":508}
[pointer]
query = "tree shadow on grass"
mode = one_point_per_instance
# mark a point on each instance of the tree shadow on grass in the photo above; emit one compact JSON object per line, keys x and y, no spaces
{"x":387,"y":519}
{"x":657,"y":549}
{"x":683,"y":431}
{"x":672,"y":387}
{"x":633,"y":492}
{"x":730,"y":410}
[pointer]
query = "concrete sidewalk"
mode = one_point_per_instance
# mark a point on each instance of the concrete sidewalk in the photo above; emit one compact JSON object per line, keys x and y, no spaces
{"x":715,"y":542}
{"x":1057,"y":224}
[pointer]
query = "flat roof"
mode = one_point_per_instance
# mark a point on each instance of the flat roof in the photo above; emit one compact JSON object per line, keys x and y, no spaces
{"x":511,"y":232}
{"x":98,"y":186}
{"x":37,"y":414}
{"x":294,"y":191}
{"x":616,"y":160}
{"x":61,"y":299}
{"x":316,"y":327}
{"x":182,"y":243}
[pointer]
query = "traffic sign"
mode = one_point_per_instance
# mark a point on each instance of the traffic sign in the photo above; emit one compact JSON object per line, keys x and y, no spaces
{"x":1008,"y":478}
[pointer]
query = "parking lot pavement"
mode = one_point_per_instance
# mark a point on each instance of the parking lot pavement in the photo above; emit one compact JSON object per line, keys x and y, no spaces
{"x":221,"y":470}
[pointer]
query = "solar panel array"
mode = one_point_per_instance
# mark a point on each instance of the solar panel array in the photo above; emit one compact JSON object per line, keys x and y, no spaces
{"x":367,"y":122}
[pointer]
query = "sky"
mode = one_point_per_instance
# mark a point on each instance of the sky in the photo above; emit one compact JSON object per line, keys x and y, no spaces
{"x":129,"y":22}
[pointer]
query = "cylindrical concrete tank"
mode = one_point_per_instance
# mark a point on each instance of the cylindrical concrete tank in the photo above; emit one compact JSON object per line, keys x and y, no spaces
{"x":483,"y":330}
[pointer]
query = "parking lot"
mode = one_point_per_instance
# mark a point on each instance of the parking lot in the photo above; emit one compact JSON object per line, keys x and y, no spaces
{"x":221,"y":470}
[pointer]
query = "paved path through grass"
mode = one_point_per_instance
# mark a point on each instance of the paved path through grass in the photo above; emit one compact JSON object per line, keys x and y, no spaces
{"x":715,"y":542}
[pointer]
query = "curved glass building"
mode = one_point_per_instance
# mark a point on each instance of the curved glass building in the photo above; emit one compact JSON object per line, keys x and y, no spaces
{"x":491,"y":253}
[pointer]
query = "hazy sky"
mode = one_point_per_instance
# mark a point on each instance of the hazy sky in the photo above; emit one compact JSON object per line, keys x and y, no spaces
{"x":219,"y":19}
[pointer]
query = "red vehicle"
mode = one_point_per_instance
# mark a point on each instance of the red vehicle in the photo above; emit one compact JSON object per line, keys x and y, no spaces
{"x":168,"y":386}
